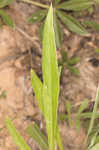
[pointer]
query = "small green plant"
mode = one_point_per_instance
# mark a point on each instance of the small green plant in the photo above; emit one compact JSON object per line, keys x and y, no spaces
{"x":63,"y":12}
{"x":69,"y":63}
{"x":47,"y":94}
{"x":4,"y":17}
{"x":3,"y":94}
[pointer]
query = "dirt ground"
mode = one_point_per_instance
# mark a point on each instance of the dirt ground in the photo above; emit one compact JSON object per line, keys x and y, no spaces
{"x":17,"y":46}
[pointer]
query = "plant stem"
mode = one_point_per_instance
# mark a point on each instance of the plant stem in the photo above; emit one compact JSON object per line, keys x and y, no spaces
{"x":36,"y":3}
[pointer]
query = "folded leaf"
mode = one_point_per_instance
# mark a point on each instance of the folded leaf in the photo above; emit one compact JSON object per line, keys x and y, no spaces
{"x":37,"y":16}
{"x":76,"y":5}
{"x":35,"y":132}
{"x":4,"y":3}
{"x":72,"y":23}
{"x":6,"y":18}
{"x":50,"y":79}
{"x":16,"y":136}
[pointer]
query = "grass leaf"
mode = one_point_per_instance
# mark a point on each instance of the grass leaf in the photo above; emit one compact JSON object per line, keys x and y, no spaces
{"x":74,"y":70}
{"x":68,"y":109}
{"x":93,"y":115}
{"x":37,"y":88}
{"x":50,"y":79}
{"x":80,"y":110}
{"x":59,"y":140}
{"x":16,"y":136}
{"x":74,"y":61}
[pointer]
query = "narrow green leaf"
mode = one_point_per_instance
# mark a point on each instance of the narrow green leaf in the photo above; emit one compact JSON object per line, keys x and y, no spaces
{"x":48,"y":114}
{"x":74,"y":61}
{"x":35,"y":132}
{"x":37,"y":87}
{"x":16,"y":136}
{"x":72,"y":24}
{"x":58,"y":32}
{"x":59,"y":140}
{"x":6,"y":18}
{"x":76,"y":5}
{"x":64,"y":56}
{"x":50,"y":78}
{"x":91,"y":24}
{"x":4,"y":3}
{"x":82,"y":106}
{"x":37,"y":16}
{"x":3,"y":94}
{"x":68,"y":109}
{"x":88,"y":115}
{"x":80,"y":110}
{"x":74,"y":70}
{"x":93,"y":115}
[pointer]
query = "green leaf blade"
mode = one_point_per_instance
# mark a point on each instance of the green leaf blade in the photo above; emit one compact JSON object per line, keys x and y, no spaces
{"x":37,"y":87}
{"x":50,"y":76}
{"x":48,"y":114}
{"x":58,"y":32}
{"x":16,"y":136}
{"x":37,"y":16}
{"x":91,"y":125}
{"x":80,"y":110}
{"x":74,"y":61}
{"x":6,"y":18}
{"x":68,"y":109}
{"x":76,"y":5}
{"x":72,"y":24}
